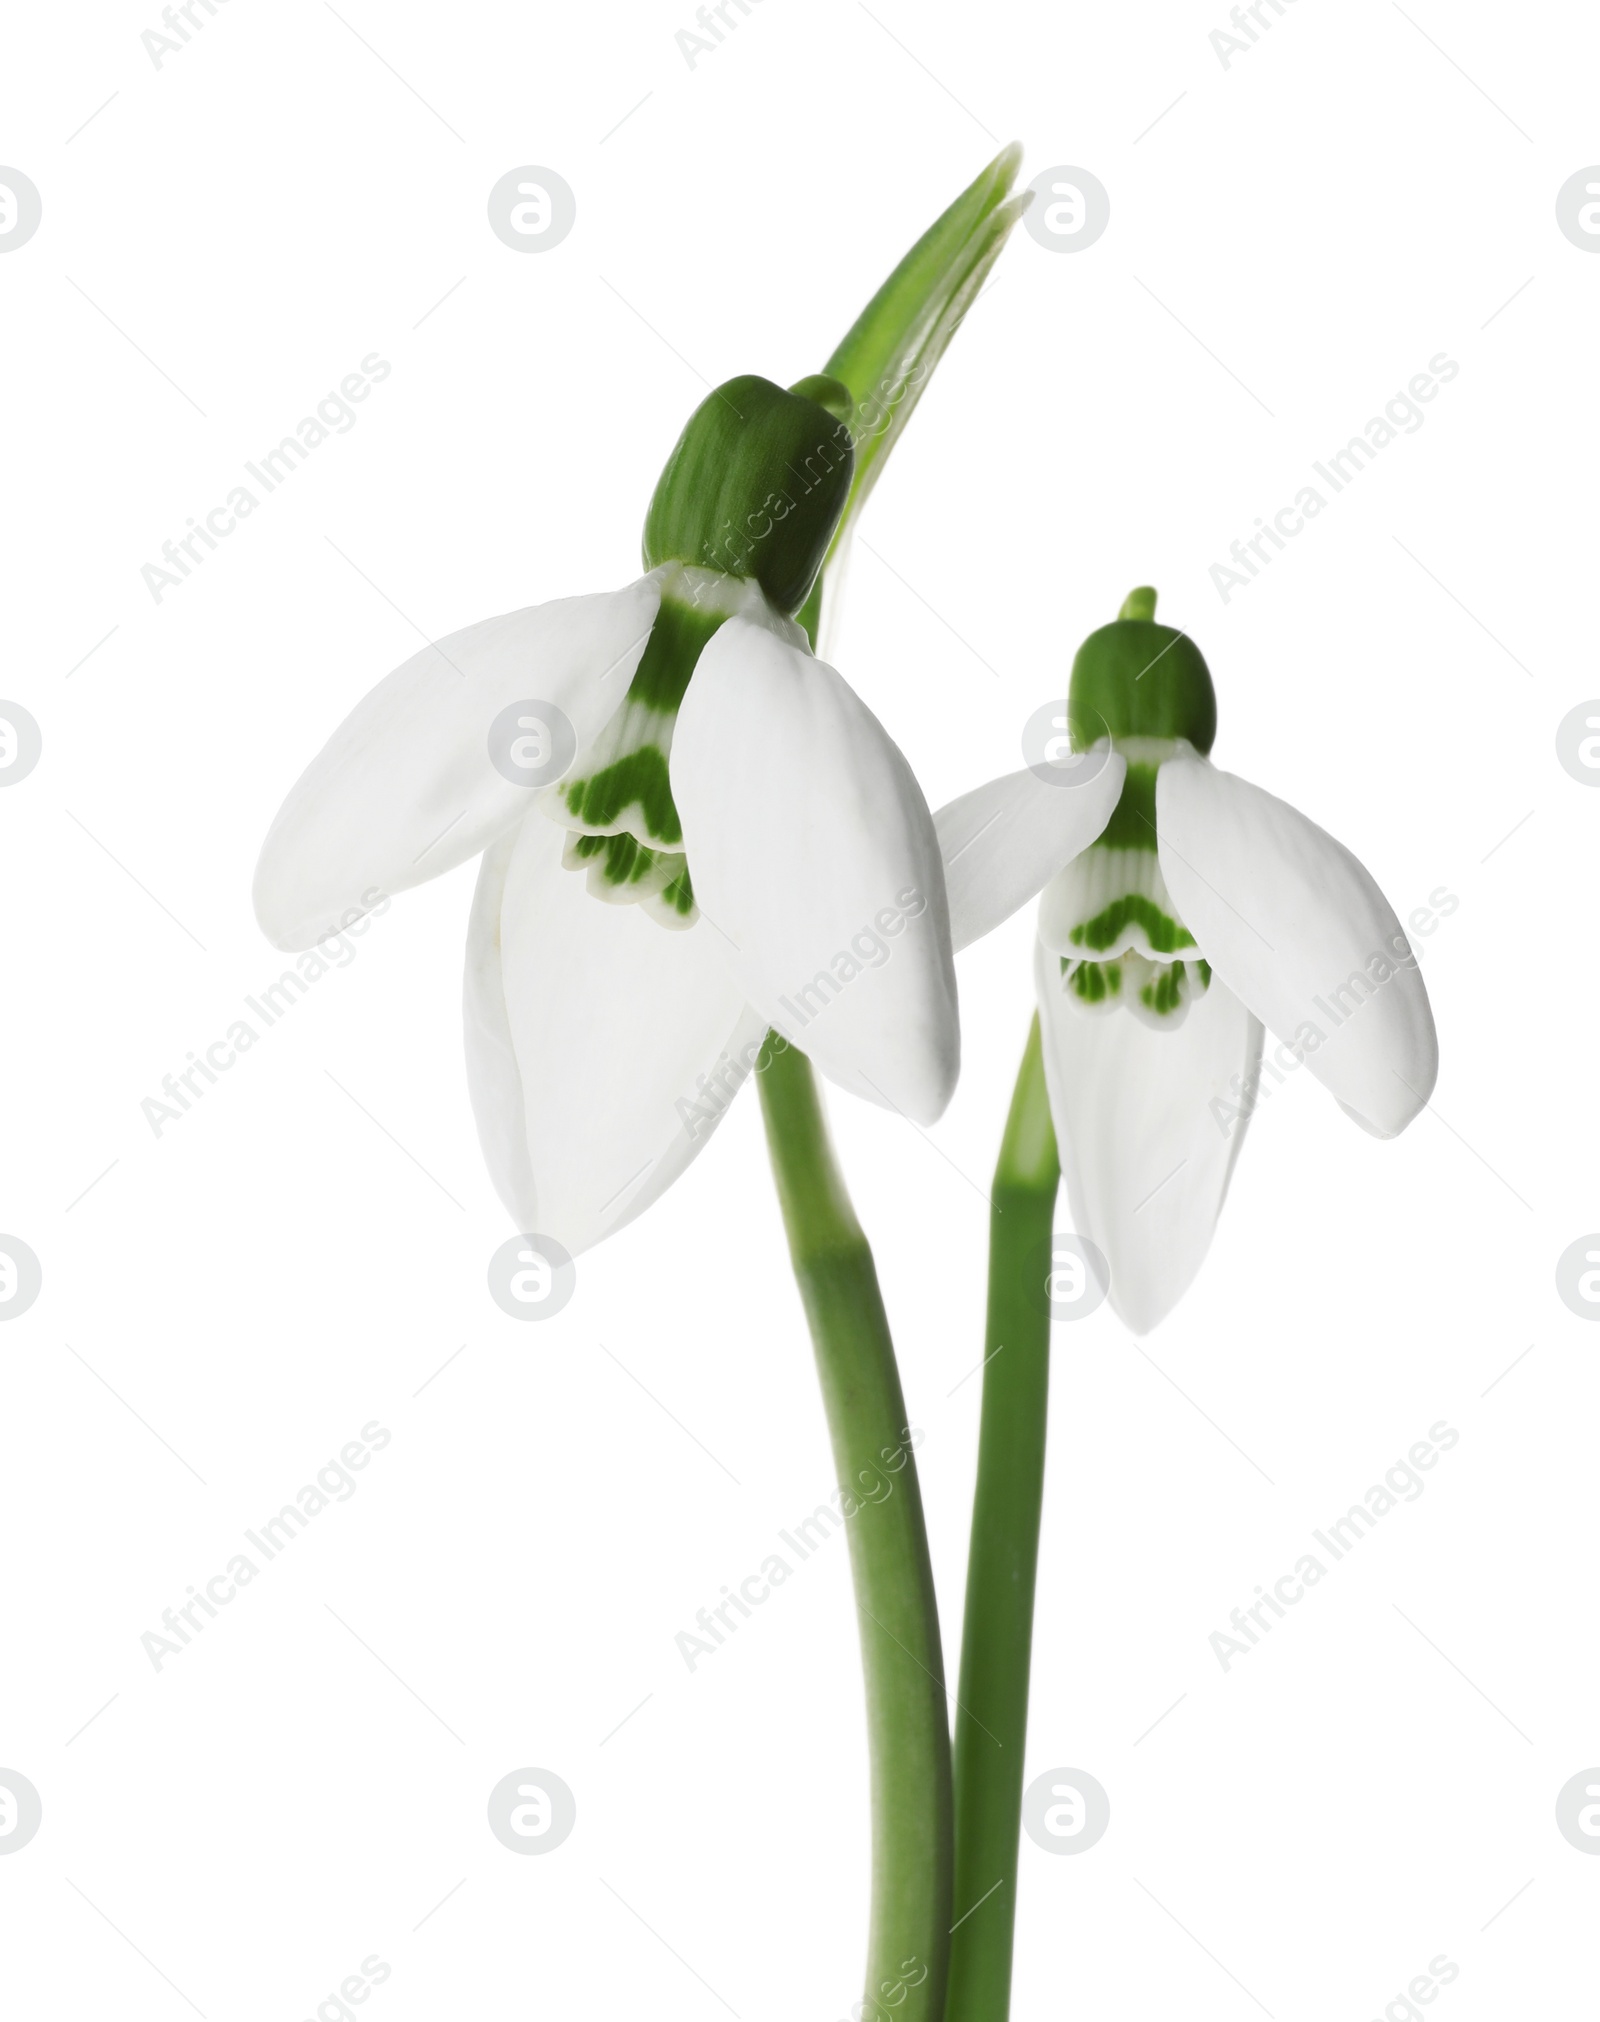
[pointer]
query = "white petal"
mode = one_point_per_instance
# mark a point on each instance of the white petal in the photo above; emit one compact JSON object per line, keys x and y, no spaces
{"x":590,"y":1034}
{"x":834,"y":579}
{"x":814,"y":858}
{"x":1145,"y":1155}
{"x":494,"y":1080}
{"x":1003,"y":842}
{"x":1294,"y":925}
{"x":404,"y":789}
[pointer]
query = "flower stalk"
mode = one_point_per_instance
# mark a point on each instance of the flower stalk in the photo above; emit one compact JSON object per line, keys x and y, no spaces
{"x":991,"y":1724}
{"x":907,"y":1721}
{"x":680,"y":744}
{"x":871,"y":383}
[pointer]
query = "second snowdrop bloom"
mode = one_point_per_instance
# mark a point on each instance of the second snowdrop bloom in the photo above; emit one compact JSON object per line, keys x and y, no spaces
{"x":691,"y":828}
{"x":1197,"y":914}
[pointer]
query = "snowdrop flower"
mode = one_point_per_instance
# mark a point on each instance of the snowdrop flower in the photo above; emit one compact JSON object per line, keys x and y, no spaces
{"x":1191,"y":910}
{"x":691,"y":829}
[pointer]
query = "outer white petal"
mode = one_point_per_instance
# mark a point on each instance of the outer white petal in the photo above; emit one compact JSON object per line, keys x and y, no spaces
{"x":588,"y":1031}
{"x":834,"y":580}
{"x":404,"y":789}
{"x":815,"y":863}
{"x":1298,"y":928}
{"x":1003,"y":842}
{"x":1145,"y":1157}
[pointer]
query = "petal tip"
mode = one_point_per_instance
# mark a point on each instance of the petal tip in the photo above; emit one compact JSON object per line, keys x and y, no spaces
{"x":275,"y":916}
{"x":1143,"y":1305}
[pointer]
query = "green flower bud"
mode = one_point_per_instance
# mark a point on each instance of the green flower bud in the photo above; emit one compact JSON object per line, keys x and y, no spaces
{"x":1136,"y":678}
{"x":756,"y":485}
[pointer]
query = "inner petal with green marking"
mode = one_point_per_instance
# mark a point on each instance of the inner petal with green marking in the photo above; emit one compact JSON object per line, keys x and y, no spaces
{"x":617,"y":803}
{"x":1157,"y":993}
{"x":622,"y":871}
{"x":1112,"y":901}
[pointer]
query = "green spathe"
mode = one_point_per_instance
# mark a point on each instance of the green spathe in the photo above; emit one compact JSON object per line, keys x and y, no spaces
{"x":889,"y":353}
{"x":1135,"y":678}
{"x":755,"y":486}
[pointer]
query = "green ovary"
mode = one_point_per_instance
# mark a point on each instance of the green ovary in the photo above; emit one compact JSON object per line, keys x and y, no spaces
{"x":1138,"y":679}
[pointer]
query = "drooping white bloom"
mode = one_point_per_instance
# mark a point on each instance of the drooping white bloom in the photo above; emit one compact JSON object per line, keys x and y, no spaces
{"x":1198,"y":914}
{"x":691,"y":828}
{"x":605,"y":1039}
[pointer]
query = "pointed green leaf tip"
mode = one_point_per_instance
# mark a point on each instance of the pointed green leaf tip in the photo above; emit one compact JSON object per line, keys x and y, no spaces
{"x":889,"y":353}
{"x":1135,"y":678}
{"x":764,"y":483}
{"x":755,"y":486}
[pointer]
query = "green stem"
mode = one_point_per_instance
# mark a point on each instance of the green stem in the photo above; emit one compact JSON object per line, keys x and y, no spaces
{"x":907,"y":1721}
{"x":997,"y":1637}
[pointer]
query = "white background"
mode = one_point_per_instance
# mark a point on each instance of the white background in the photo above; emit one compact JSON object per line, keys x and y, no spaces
{"x":1295,"y":238}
